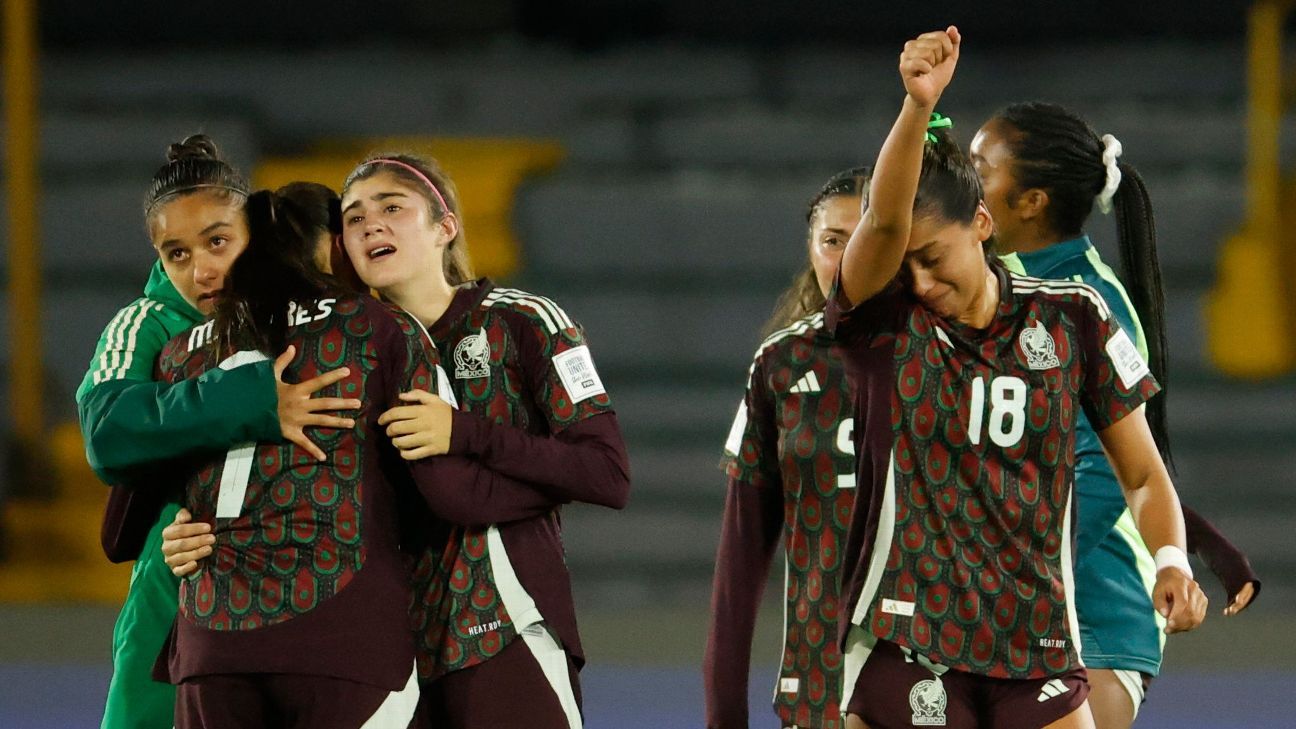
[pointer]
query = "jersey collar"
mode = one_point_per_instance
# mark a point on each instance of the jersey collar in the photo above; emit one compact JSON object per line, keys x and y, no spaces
{"x":466,"y":298}
{"x":1042,"y":262}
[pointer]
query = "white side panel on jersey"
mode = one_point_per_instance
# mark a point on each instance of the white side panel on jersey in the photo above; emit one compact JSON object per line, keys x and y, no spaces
{"x":734,"y":441}
{"x":398,"y":708}
{"x":238,"y":461}
{"x":881,"y":546}
{"x":859,"y":646}
{"x":553,"y":663}
{"x":785,"y":685}
{"x":528,"y":621}
{"x":1068,"y":576}
{"x":517,"y":601}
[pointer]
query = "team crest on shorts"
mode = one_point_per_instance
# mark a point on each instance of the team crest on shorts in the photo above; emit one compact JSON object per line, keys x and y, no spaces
{"x":472,"y":356}
{"x":927,"y":699}
{"x":1037,"y":345}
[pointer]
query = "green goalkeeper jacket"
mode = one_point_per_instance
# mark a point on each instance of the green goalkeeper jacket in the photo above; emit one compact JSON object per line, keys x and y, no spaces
{"x":133,"y":427}
{"x":129,"y":421}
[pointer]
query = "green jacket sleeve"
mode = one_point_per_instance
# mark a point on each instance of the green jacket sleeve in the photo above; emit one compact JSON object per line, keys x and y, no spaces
{"x":128,"y":420}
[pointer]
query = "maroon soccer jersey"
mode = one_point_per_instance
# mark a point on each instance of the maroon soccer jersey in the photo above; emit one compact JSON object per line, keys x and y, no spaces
{"x":305,"y":576}
{"x":791,"y":466}
{"x":960,"y":543}
{"x":521,"y":372}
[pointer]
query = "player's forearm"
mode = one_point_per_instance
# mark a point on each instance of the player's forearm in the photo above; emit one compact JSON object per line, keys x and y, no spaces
{"x":1155,"y":507}
{"x":463,"y":491}
{"x":586,"y":462}
{"x":127,"y":424}
{"x":876,"y":248}
{"x":748,"y":540}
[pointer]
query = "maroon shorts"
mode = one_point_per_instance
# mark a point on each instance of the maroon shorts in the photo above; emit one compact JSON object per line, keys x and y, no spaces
{"x":893,"y":691}
{"x":510,"y":690}
{"x":234,"y":701}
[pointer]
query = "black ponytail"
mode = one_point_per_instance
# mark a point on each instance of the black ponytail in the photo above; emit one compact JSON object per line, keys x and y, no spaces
{"x":276,"y":270}
{"x":1054,"y":150}
{"x":1136,"y":231}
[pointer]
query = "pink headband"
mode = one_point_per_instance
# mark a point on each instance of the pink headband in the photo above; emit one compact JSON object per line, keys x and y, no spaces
{"x":417,"y":173}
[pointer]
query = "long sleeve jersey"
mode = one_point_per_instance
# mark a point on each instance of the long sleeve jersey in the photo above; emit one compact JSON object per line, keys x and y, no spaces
{"x":790,"y":460}
{"x":129,"y":421}
{"x":533,"y":408}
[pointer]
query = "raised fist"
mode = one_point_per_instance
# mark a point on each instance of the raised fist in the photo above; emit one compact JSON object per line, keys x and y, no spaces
{"x":927,"y":64}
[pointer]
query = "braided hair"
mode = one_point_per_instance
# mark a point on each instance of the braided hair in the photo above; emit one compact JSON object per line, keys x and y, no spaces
{"x":1056,"y":151}
{"x":803,"y":297}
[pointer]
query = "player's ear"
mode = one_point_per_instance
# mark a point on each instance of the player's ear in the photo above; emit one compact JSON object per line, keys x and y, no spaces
{"x":1031,"y":203}
{"x":982,"y":223}
{"x":449,"y":225}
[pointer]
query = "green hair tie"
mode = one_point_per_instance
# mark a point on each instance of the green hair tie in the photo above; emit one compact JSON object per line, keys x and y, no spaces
{"x":938,"y":121}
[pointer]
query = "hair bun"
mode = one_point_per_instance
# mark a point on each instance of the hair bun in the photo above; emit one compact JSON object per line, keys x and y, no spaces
{"x":196,"y":146}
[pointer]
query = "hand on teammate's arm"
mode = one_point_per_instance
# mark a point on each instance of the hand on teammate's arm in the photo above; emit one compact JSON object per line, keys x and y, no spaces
{"x":421,"y":428}
{"x":185,"y":542}
{"x":877,"y":246}
{"x":1155,"y":507}
{"x":299,"y":409}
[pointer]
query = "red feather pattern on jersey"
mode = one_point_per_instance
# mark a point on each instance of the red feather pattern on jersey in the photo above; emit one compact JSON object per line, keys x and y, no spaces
{"x":808,"y":461}
{"x":958,"y":501}
{"x":468,"y":623}
{"x":297,"y":540}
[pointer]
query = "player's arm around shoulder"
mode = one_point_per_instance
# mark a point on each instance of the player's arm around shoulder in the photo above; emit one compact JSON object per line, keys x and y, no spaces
{"x":122,"y":366}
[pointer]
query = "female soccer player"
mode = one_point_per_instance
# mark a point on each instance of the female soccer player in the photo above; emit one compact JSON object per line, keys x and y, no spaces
{"x":301,"y":617}
{"x":496,"y":606}
{"x":1042,"y":169}
{"x":193,"y":211}
{"x":791,"y":468}
{"x":958,"y":566}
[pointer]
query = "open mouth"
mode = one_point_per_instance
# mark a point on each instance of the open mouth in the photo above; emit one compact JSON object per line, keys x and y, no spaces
{"x":381,"y":252}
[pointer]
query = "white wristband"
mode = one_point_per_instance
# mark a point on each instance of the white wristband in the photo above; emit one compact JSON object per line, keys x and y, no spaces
{"x":1172,"y":556}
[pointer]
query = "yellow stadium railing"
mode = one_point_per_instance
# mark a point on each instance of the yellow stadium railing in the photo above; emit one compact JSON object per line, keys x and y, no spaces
{"x":486,"y":171}
{"x":1251,"y":313}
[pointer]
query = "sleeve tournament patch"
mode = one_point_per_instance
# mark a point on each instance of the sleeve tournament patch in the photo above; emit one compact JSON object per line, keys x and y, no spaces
{"x":1126,"y":359}
{"x":576,"y":370}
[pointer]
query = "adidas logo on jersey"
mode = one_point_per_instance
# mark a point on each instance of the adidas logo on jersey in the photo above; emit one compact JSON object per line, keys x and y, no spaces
{"x":808,"y":383}
{"x":1052,"y":689}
